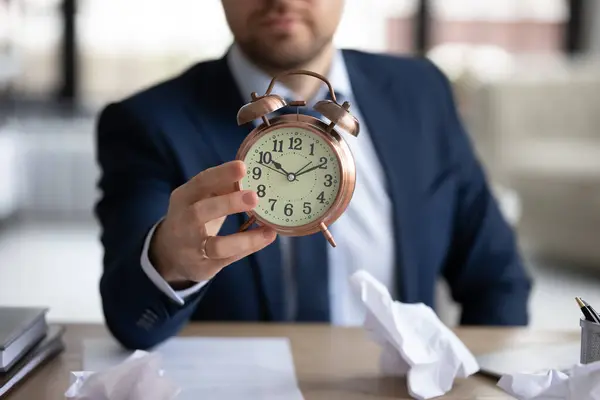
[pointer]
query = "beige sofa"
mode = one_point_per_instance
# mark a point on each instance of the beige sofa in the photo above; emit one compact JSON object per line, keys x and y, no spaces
{"x":538,"y":133}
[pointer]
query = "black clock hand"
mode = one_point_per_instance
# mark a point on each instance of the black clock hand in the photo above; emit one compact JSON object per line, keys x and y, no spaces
{"x":279,"y":172}
{"x":312,"y":169}
{"x":278,"y":166}
{"x":273,"y":169}
{"x":297,"y":172}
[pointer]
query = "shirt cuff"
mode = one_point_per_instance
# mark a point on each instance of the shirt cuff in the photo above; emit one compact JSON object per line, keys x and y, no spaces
{"x":176,"y":295}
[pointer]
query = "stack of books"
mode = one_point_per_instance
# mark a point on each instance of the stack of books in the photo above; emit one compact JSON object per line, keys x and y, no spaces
{"x":27,"y":341}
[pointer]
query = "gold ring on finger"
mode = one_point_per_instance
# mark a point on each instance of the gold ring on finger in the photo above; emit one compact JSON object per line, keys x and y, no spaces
{"x":203,"y":247}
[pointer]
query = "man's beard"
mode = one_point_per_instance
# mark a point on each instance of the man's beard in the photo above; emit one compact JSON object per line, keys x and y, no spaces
{"x":281,"y":57}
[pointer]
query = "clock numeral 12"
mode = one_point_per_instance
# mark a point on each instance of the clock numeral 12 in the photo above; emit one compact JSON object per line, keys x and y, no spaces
{"x":295,"y":144}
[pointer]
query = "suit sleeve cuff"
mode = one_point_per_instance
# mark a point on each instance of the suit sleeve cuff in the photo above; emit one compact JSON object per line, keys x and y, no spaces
{"x":176,"y":295}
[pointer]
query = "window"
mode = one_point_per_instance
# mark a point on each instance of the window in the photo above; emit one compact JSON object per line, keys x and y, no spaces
{"x":517,"y":26}
{"x":400,"y":25}
{"x":124,"y":46}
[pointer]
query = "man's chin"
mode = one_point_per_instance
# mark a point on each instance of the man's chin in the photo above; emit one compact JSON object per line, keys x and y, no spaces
{"x":282,"y":54}
{"x":288,"y":58}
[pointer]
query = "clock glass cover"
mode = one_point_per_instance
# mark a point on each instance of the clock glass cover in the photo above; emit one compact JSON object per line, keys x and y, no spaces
{"x":296,"y":174}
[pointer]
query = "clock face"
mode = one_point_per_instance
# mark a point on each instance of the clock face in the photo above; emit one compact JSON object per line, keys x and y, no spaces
{"x":296,"y":175}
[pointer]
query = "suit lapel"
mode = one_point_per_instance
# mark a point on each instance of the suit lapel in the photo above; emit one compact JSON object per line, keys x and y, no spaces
{"x":219,"y":101}
{"x":388,"y":124}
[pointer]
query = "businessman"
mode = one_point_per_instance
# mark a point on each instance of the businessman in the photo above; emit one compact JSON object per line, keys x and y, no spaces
{"x":422,"y":208}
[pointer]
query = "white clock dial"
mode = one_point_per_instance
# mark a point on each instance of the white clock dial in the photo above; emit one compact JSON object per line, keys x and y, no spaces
{"x":296,"y":175}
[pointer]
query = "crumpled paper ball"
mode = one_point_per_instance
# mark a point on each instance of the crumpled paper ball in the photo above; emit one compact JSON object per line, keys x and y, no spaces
{"x":415,"y":343}
{"x":581,"y":382}
{"x":139,"y":377}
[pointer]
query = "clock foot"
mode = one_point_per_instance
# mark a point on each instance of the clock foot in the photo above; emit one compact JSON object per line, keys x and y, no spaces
{"x":247,"y":224}
{"x":327,"y":234}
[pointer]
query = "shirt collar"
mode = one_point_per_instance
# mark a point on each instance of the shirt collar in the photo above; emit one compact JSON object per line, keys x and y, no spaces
{"x":250,"y":78}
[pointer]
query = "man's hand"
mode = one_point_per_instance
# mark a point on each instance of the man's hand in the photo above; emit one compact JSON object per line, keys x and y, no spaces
{"x":185,"y":247}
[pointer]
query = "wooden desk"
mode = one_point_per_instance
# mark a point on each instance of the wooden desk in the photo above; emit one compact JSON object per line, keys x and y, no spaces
{"x":331,"y":363}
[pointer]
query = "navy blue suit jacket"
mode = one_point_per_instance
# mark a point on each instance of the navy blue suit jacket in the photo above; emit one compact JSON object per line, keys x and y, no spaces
{"x":447,"y":223}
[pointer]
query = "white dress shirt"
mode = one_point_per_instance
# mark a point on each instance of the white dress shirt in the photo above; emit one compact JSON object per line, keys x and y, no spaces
{"x":364,"y":233}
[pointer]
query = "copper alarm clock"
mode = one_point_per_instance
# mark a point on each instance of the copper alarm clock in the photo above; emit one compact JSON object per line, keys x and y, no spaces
{"x":300,"y":167}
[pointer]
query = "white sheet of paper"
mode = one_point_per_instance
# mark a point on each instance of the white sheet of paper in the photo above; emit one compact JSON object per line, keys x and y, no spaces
{"x":215,"y":368}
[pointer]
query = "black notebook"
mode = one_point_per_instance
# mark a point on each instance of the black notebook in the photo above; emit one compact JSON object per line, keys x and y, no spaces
{"x":50,"y":346}
{"x":20,"y":329}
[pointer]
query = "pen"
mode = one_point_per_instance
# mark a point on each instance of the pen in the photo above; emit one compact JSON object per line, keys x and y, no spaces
{"x":588,"y":312}
{"x":594,"y":312}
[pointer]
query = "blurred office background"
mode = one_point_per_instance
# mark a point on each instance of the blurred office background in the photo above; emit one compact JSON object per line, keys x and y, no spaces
{"x":526,"y":74}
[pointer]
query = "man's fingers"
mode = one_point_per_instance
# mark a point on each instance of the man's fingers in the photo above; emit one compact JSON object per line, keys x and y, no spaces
{"x":210,"y":182}
{"x":239,"y":244}
{"x":221,"y":206}
{"x":218,"y":265}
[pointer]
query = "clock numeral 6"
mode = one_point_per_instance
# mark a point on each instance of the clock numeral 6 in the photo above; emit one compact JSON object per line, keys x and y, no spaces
{"x":307,"y":209}
{"x":261,"y":190}
{"x":288,"y":209}
{"x":328,"y":180}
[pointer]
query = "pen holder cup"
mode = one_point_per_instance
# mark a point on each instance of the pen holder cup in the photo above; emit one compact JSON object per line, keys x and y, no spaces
{"x":590,"y":341}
